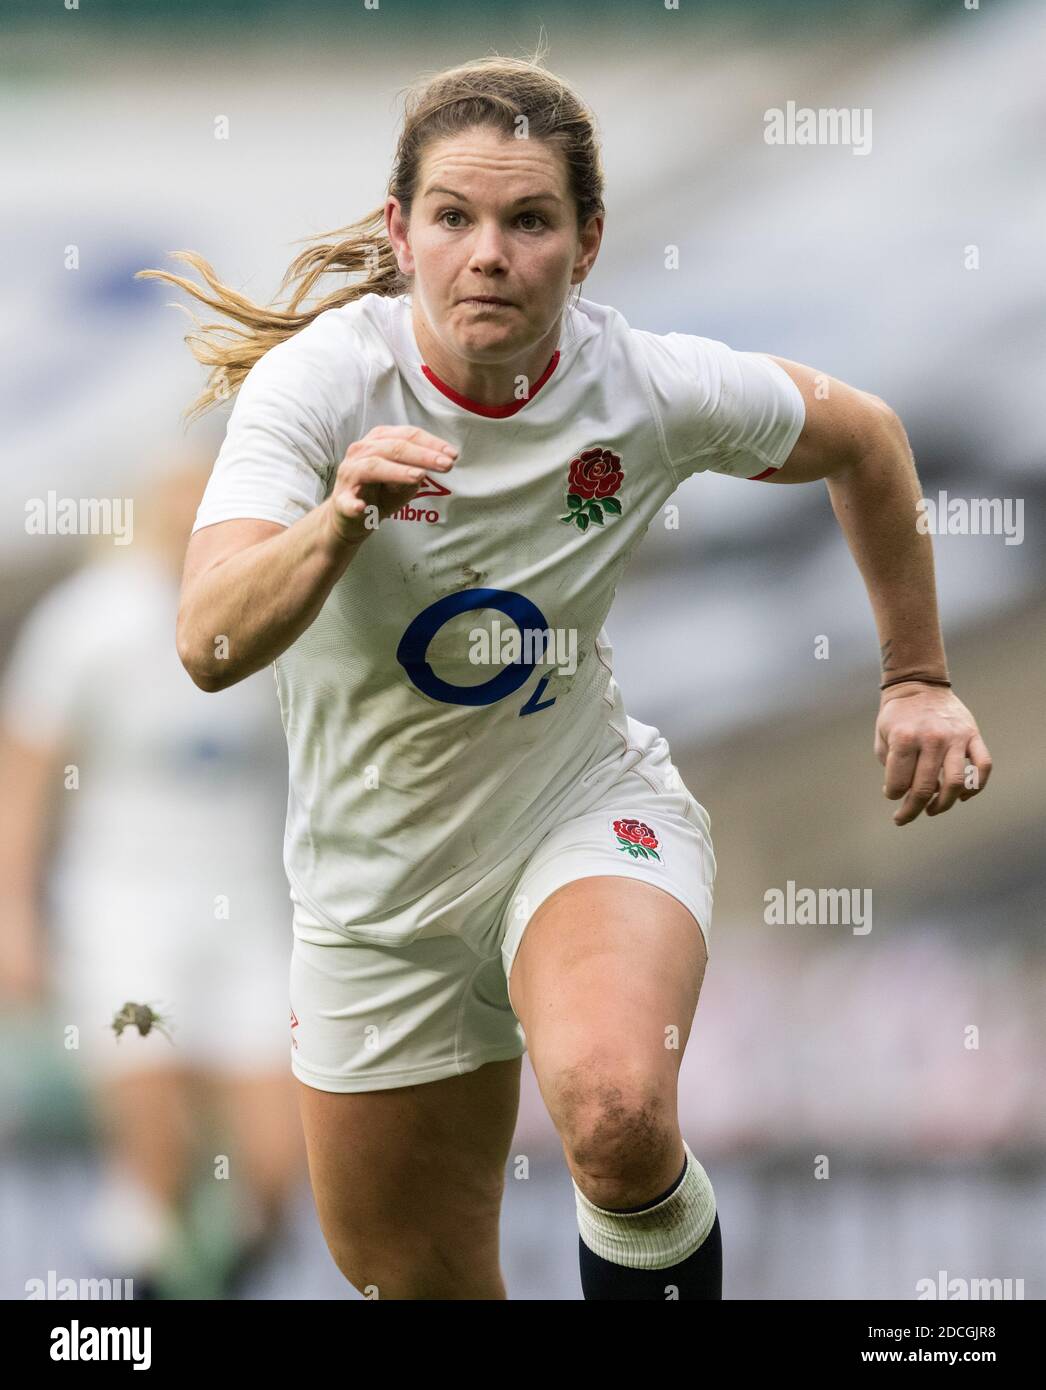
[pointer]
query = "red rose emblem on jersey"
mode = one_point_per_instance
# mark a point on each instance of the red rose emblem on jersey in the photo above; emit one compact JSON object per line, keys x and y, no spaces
{"x":636,"y":839}
{"x":595,"y":476}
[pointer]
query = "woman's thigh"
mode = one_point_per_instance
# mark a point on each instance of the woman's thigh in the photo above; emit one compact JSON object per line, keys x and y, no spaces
{"x":606,"y":981}
{"x":408,"y":1181}
{"x":613,"y":966}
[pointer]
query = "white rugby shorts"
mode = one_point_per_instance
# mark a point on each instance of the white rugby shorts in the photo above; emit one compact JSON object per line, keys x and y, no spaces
{"x":368,"y":1017}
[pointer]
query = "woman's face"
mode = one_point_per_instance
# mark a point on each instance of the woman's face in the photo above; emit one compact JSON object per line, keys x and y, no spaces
{"x":492,"y":217}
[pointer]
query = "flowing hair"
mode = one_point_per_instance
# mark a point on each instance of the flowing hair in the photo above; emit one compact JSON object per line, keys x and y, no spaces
{"x":511,"y":95}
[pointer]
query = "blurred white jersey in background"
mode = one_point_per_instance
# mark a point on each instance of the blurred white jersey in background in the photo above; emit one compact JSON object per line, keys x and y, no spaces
{"x":167,"y":881}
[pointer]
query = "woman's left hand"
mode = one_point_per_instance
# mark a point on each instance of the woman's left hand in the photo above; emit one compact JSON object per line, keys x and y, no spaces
{"x":924,"y":735}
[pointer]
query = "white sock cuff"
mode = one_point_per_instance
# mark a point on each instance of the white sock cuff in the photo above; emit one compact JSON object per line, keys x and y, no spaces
{"x":660,"y":1236}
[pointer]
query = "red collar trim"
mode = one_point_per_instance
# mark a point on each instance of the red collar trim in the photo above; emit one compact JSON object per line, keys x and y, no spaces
{"x":493,"y":412}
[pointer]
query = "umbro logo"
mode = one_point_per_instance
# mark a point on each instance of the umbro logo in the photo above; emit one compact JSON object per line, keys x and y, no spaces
{"x":430,"y":487}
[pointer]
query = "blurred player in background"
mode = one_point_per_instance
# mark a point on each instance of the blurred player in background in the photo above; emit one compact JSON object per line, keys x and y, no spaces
{"x":164,"y":888}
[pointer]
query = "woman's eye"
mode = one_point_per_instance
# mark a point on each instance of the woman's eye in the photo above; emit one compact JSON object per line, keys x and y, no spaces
{"x":454,"y":212}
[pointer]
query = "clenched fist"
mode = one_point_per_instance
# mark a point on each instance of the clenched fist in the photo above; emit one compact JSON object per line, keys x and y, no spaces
{"x":381,"y":473}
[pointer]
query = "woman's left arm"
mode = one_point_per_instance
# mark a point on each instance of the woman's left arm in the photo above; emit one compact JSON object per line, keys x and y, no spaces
{"x":924,"y":734}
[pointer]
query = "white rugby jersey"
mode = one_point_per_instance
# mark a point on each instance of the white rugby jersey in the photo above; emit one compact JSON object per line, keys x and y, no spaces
{"x":173,"y":801}
{"x":421,"y":761}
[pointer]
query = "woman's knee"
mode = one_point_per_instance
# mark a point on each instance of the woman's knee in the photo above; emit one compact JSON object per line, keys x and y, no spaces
{"x":398,"y":1241}
{"x":619,"y":1128}
{"x":420,"y":1264}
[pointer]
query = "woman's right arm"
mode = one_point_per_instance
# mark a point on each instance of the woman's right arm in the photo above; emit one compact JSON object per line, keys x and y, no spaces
{"x":250,"y":587}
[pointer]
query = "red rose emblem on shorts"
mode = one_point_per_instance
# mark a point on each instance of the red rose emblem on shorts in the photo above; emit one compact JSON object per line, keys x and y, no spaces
{"x":636,"y":839}
{"x":595,"y":476}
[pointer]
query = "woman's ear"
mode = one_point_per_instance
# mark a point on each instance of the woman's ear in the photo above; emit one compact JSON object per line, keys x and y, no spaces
{"x":396,"y":228}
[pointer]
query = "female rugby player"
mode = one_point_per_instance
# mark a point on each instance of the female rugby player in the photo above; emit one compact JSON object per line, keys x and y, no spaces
{"x":430,"y":484}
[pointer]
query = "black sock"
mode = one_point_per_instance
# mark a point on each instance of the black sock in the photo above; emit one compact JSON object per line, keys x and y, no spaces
{"x":699,"y":1276}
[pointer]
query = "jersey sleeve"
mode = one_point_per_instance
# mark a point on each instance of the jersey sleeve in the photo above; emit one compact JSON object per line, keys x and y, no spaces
{"x":279,"y":451}
{"x":43,"y":684}
{"x":718,"y":410}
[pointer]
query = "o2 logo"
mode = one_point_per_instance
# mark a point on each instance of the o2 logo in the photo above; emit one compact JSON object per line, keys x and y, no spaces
{"x":415,"y":643}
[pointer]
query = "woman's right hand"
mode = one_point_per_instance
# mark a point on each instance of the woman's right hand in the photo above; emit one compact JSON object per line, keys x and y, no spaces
{"x":381,"y":473}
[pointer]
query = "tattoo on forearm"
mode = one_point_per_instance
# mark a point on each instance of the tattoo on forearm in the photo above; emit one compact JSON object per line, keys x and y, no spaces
{"x":884,"y":655}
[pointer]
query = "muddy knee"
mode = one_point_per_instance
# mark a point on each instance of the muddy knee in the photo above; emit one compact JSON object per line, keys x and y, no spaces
{"x":619,"y":1133}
